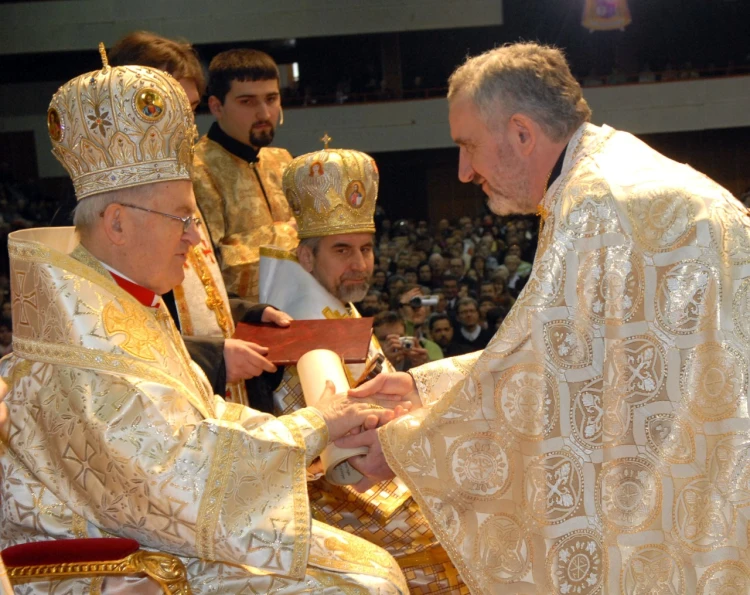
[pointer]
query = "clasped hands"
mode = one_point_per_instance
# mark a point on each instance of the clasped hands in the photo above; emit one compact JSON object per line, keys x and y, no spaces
{"x":353,"y":420}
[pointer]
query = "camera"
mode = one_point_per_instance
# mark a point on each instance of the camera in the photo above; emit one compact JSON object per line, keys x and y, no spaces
{"x":419,"y":301}
{"x":407,"y":342}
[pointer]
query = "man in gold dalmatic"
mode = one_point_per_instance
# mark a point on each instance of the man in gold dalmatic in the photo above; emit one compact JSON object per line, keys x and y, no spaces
{"x":599,"y":444}
{"x":237,"y":175}
{"x":112,"y":429}
{"x":332,"y":194}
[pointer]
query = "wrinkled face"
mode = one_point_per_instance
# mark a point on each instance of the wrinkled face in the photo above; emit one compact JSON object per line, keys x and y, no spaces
{"x":343,"y":264}
{"x":442,"y":332}
{"x":488,"y":159}
{"x":250,"y":112}
{"x":156,"y":246}
{"x":468,"y":315}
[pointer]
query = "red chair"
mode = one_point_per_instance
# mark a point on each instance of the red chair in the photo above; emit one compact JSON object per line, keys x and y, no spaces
{"x":78,"y":558}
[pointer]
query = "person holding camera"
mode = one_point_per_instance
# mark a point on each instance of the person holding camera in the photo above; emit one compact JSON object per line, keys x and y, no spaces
{"x":414,"y":307}
{"x":402,"y":351}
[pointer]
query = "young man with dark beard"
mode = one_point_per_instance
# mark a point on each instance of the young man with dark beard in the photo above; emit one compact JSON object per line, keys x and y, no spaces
{"x":237,"y":176}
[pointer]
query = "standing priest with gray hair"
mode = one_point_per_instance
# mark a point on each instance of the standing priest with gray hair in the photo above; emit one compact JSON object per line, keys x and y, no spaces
{"x":599,"y":443}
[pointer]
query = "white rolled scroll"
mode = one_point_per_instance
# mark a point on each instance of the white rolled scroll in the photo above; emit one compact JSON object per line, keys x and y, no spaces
{"x":314,"y":368}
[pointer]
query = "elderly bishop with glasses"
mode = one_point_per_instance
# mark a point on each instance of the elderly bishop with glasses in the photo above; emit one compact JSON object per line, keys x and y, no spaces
{"x":111,"y":429}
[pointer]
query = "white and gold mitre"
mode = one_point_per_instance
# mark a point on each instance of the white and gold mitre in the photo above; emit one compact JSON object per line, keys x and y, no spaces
{"x":121,"y":127}
{"x":332,"y":191}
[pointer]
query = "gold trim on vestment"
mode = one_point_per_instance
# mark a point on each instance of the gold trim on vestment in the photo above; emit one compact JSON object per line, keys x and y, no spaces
{"x":366,"y":558}
{"x":214,"y":300}
{"x":301,"y":504}
{"x":78,"y":526}
{"x":233,"y":412}
{"x":186,"y":322}
{"x":227,"y":445}
{"x":278,"y":253}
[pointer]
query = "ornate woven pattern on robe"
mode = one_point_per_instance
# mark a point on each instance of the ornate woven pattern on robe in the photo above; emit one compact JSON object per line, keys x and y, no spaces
{"x":599,"y":445}
{"x":114,"y":431}
{"x":237,"y":212}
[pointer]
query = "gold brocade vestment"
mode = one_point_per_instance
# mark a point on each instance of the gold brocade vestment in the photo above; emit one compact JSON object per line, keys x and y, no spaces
{"x":244,"y":208}
{"x":599,"y":445}
{"x":385,"y":515}
{"x":114,"y":431}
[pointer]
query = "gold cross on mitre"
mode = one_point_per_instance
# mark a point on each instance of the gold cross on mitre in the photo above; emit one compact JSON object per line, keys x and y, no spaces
{"x":325,"y":139}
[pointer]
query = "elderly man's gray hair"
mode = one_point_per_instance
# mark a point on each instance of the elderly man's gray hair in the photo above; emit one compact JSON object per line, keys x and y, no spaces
{"x":88,"y":210}
{"x":526,"y":78}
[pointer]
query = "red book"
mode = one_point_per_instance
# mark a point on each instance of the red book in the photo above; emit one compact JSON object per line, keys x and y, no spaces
{"x":349,"y":337}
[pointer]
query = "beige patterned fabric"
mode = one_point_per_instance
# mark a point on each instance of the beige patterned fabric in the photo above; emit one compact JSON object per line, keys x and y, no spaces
{"x":385,"y":515}
{"x":239,"y":215}
{"x":599,"y":444}
{"x":114,"y":431}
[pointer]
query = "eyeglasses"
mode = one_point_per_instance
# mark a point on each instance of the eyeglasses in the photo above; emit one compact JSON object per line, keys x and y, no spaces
{"x":186,"y":221}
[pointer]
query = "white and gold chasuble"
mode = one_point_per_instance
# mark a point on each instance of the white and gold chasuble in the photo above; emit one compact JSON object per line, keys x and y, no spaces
{"x":599,"y":445}
{"x":385,"y":515}
{"x":114,"y":431}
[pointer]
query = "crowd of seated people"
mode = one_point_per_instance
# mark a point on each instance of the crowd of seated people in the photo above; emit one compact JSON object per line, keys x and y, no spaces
{"x":449,"y":288}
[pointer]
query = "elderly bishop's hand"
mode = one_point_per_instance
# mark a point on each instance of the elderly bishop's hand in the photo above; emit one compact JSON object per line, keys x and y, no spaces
{"x":344,"y":415}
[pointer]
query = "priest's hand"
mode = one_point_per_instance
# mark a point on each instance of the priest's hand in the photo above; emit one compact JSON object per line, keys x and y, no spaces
{"x":373,"y":465}
{"x":277,"y":317}
{"x":398,"y":386}
{"x":244,"y":359}
{"x":4,"y":416}
{"x":344,"y":415}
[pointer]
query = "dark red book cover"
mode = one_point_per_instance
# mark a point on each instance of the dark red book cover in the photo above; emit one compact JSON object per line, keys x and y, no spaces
{"x":349,"y":337}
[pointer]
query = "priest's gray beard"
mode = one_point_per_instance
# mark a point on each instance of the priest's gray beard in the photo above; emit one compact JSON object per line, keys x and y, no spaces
{"x":352,"y":293}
